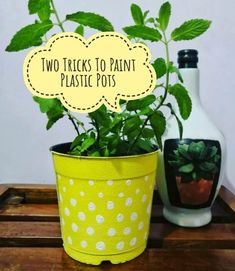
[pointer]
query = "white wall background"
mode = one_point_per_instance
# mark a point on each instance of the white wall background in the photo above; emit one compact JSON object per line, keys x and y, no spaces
{"x":24,"y":141}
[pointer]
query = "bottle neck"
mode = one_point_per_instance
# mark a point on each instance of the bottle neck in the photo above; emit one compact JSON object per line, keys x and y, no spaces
{"x":191,"y":82}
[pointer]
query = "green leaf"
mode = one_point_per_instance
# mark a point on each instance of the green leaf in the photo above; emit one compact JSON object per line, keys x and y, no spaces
{"x":53,"y":116}
{"x":164,"y":15}
{"x":143,"y":32}
{"x":41,"y":7}
{"x":147,"y":133}
{"x":146,"y":111}
{"x":47,"y":104}
{"x":141,"y":103}
{"x":101,"y":117}
{"x":158,"y":123}
{"x":145,"y":145}
{"x":196,"y":148}
{"x":91,"y":19}
{"x":187,"y":168}
{"x":88,"y":142}
{"x":145,"y":14}
{"x":131,"y":124}
{"x":29,"y":36}
{"x":184,"y":102}
{"x":52,"y":107}
{"x":207,"y":166}
{"x":80,"y":30}
{"x":137,"y":14}
{"x":190,"y":29}
{"x":173,"y":69}
{"x":183,"y":151}
{"x":77,"y":141}
{"x":160,"y":67}
{"x":94,"y":153}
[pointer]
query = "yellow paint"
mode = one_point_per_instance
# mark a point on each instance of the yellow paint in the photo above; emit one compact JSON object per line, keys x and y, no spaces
{"x":105,"y":205}
{"x":85,"y":74}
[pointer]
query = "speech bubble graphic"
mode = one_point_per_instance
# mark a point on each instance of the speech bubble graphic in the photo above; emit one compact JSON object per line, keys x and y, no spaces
{"x":84,"y":74}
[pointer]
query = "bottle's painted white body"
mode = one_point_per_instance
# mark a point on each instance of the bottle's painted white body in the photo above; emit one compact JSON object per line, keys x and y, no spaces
{"x":198,"y":126}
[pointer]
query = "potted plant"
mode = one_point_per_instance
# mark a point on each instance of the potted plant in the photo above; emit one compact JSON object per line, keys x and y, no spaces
{"x":195,"y":166}
{"x":105,"y":177}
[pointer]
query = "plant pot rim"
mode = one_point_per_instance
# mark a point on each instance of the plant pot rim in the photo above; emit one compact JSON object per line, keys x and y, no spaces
{"x":56,"y":149}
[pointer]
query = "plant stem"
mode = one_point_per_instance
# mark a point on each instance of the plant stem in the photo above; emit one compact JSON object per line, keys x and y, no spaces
{"x":139,"y":134}
{"x":60,"y":23}
{"x":72,"y":118}
{"x":77,"y":121}
{"x":73,"y":122}
{"x":165,"y":92}
{"x":167,"y":68}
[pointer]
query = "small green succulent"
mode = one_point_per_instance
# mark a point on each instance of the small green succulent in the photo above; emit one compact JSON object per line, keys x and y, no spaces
{"x":195,"y":161}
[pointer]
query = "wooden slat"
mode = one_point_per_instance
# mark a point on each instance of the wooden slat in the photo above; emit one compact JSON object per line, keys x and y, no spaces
{"x":36,"y":193}
{"x":55,"y":259}
{"x":4,"y":193}
{"x":30,"y":234}
{"x":3,"y":189}
{"x":161,"y":235}
{"x":227,"y":197}
{"x":29,"y":212}
{"x":212,"y":236}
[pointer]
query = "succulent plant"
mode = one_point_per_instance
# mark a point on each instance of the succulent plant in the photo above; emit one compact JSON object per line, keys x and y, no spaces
{"x":195,"y":161}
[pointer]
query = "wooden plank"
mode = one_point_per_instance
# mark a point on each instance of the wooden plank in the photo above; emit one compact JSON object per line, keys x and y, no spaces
{"x":220,"y":215}
{"x":29,"y":234}
{"x":55,"y":259}
{"x":161,"y":235}
{"x":227,"y":197}
{"x":3,"y":189}
{"x":36,"y":193}
{"x":29,"y":212}
{"x":211,"y":236}
{"x":4,"y":193}
{"x":13,"y":209}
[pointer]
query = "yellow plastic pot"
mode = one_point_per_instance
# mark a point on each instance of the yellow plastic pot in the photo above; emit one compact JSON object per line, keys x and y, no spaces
{"x":104,"y":204}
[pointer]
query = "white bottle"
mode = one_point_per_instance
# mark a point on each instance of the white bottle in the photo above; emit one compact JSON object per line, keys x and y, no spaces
{"x":191,"y":170}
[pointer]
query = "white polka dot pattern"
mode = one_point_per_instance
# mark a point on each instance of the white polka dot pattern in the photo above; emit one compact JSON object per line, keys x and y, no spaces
{"x":73,"y":202}
{"x":100,"y":195}
{"x":120,"y":217}
{"x":128,"y":201}
{"x":120,"y":245}
{"x":91,"y":182}
{"x":134,"y":216}
{"x":81,"y":193}
{"x":127,"y":231}
{"x":110,"y":205}
{"x":81,"y":216}
{"x":74,"y":227}
{"x":110,"y":220}
{"x":66,"y":211}
{"x":70,"y":241}
{"x":91,"y":206}
{"x":110,"y":182}
{"x":111,"y":232}
{"x":90,"y":231}
{"x":121,"y":195}
{"x":100,"y":245}
{"x":99,"y":219}
{"x":83,"y":244}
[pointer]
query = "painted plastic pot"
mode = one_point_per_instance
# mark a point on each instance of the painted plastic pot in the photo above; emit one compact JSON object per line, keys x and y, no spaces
{"x":104,"y":204}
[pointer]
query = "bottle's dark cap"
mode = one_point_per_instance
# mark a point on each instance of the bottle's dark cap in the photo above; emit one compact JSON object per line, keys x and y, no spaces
{"x":187,"y":58}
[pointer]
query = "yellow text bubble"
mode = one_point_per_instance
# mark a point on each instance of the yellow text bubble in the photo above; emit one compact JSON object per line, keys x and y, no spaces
{"x":84,"y":74}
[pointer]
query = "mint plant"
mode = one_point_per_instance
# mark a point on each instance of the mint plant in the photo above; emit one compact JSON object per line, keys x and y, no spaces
{"x":141,"y":125}
{"x":195,"y":161}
